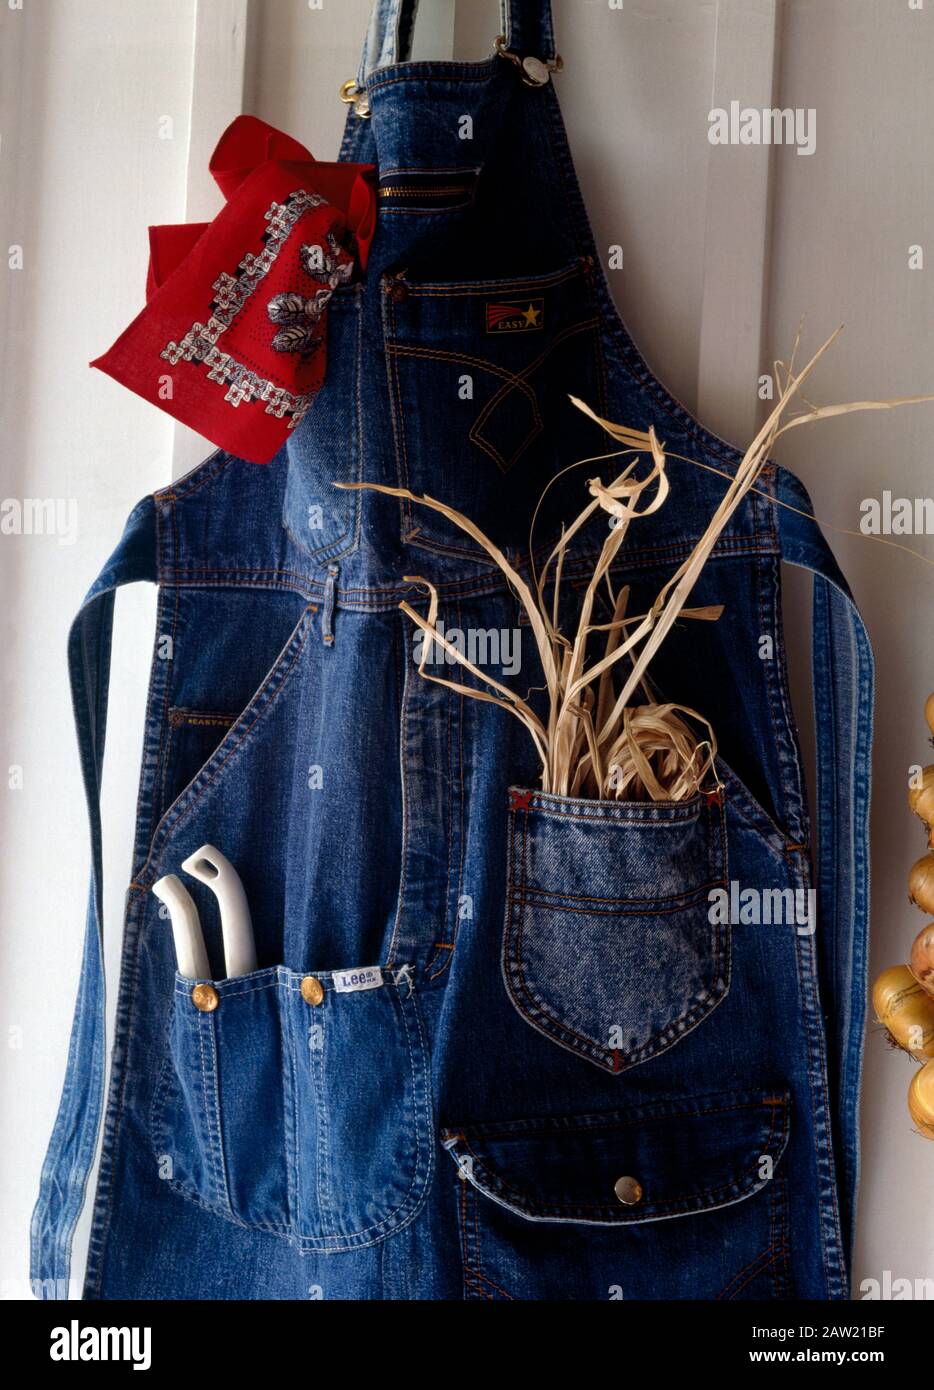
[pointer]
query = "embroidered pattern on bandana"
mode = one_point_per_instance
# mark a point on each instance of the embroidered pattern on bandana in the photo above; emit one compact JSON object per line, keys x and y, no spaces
{"x":233,"y":291}
{"x":299,"y":316}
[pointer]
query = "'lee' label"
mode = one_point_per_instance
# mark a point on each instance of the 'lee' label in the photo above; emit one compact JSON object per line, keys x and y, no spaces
{"x":346,"y":981}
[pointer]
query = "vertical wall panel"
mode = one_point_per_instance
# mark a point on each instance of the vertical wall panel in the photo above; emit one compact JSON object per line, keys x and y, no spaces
{"x":94,"y":130}
{"x":845,"y":218}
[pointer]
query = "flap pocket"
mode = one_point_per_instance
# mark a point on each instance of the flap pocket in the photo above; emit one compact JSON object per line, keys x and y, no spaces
{"x":631,"y":1166}
{"x":608,"y":947}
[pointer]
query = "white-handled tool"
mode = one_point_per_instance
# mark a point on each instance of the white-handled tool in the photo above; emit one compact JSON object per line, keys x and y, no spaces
{"x":190,"y":952}
{"x":212,"y":868}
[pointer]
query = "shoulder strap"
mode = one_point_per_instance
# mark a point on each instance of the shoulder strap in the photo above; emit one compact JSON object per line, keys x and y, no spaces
{"x":70,"y":1155}
{"x":527,"y":25}
{"x":843,"y":685}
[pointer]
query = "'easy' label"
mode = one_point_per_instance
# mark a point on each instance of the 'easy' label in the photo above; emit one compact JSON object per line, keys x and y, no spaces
{"x":345,"y":981}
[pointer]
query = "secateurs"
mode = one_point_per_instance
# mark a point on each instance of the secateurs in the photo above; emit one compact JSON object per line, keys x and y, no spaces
{"x":215,"y":870}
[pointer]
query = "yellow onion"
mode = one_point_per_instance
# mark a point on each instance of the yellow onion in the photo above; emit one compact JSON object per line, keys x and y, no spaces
{"x":921,"y":1099}
{"x":922,"y":958}
{"x":905,"y":1010}
{"x":929,"y":712}
{"x":921,"y":798}
{"x":921,"y":884}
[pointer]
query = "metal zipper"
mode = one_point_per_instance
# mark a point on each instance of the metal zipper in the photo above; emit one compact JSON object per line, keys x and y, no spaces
{"x":398,"y":191}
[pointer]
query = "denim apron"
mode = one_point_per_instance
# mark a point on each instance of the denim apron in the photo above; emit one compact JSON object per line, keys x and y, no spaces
{"x":564,"y":1080}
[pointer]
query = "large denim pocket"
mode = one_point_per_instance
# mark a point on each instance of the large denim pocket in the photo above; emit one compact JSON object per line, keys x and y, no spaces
{"x":480,"y":372}
{"x":291,"y":1104}
{"x":608,"y":947}
{"x":583,"y":1206}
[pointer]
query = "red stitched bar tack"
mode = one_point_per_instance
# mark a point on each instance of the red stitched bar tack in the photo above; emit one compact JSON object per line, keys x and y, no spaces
{"x":519,"y":801}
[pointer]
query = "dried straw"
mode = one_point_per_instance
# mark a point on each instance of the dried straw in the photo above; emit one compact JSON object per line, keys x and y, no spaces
{"x":597,"y":741}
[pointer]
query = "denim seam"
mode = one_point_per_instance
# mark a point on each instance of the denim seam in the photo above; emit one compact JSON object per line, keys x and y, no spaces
{"x":406,"y":802}
{"x":759,"y":1265}
{"x":165,"y":734}
{"x":267,"y":1228}
{"x":816,"y":1073}
{"x":290,"y":1117}
{"x":453,"y":78}
{"x":390,"y":170}
{"x":205,"y":1024}
{"x":475,"y":1281}
{"x":639,"y":1116}
{"x":467,"y":289}
{"x":779,"y":1267}
{"x":388,"y":211}
{"x":150,"y":793}
{"x":264,"y":699}
{"x":793,"y":815}
{"x":613,"y":907}
{"x":322,"y":1142}
{"x":123,"y":1042}
{"x":230,"y":994}
{"x":644,"y":814}
{"x":385,"y":597}
{"x":448,"y":938}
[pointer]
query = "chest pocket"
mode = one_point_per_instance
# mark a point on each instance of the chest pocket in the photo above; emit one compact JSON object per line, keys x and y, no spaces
{"x":609,"y":948}
{"x":479,"y":376}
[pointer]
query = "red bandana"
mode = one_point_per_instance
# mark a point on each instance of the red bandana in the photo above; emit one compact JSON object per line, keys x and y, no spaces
{"x":232,"y":338}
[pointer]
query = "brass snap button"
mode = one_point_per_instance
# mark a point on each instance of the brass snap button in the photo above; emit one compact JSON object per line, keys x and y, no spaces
{"x":312,"y":989}
{"x":205,"y":998}
{"x":628,"y":1190}
{"x":536,"y":72}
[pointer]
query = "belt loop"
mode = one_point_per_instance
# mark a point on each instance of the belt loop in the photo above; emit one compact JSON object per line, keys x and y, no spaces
{"x":327,"y":617}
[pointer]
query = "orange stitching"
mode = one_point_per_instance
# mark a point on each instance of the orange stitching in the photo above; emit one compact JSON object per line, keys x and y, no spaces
{"x":464,"y":289}
{"x":728,"y":1292}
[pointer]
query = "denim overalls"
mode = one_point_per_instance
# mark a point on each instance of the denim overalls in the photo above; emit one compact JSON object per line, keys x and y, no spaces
{"x":565,"y":1080}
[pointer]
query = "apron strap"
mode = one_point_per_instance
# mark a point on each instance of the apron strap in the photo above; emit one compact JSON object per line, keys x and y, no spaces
{"x":527,"y":25}
{"x":73,"y":1145}
{"x":843,"y":685}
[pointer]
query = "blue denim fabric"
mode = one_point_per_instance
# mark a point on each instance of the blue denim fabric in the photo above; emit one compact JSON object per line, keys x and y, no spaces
{"x":557,"y":1012}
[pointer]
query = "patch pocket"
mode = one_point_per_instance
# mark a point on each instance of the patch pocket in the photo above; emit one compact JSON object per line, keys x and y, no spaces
{"x":480,"y":372}
{"x":298,"y":1104}
{"x":582,"y":1206}
{"x":608,"y":946}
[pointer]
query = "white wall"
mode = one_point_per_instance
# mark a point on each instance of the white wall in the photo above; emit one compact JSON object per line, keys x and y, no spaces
{"x":724,"y":250}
